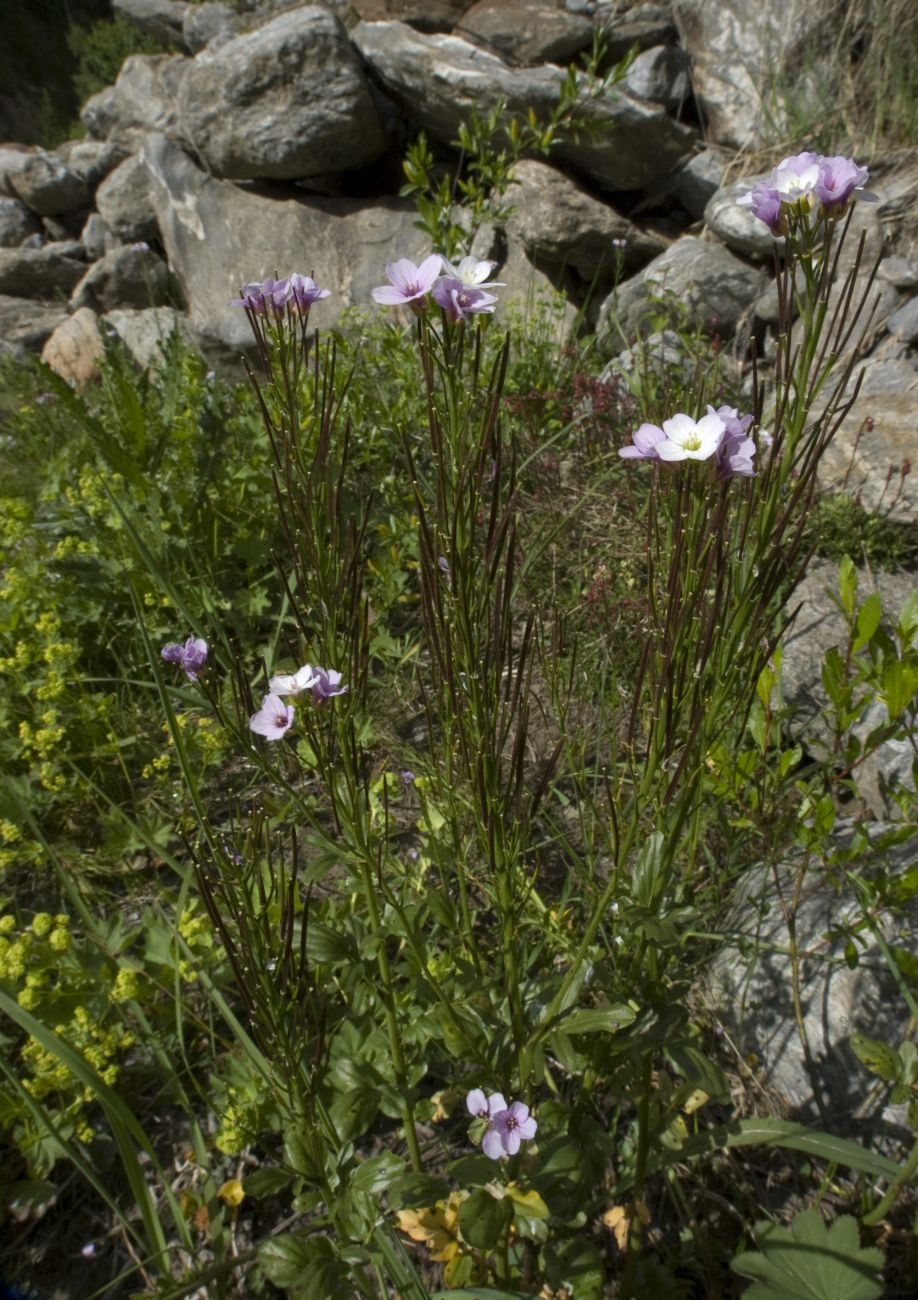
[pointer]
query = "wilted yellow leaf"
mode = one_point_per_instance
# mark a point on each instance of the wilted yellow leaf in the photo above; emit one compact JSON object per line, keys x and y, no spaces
{"x":529,"y":1202}
{"x":231,"y":1192}
{"x":617,"y":1221}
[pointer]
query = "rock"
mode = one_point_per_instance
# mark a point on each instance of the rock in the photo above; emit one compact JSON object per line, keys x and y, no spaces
{"x":144,"y":333}
{"x":736,"y":226}
{"x":643,"y":25}
{"x":751,"y":985}
{"x":663,"y":352}
{"x":92,"y":159}
{"x":207,"y":23}
{"x":818,"y":627}
{"x":144,"y":98}
{"x":878,"y":434}
{"x":439,"y":80}
{"x":75,"y":348}
{"x":286,"y":101}
{"x":523,"y":32}
{"x":41,"y":272}
{"x":207,"y":228}
{"x":123,"y":201}
{"x":904,"y":322}
{"x":661,"y":75}
{"x":26,"y":324}
{"x":529,"y":292}
{"x":16,"y":223}
{"x":698,"y":180}
{"x":713,"y":287}
{"x":736,"y":50}
{"x":96,"y":238}
{"x":162,"y":20}
{"x":900,"y":272}
{"x":425,"y":15}
{"x":560,"y":223}
{"x":42,"y":181}
{"x":132,"y":276}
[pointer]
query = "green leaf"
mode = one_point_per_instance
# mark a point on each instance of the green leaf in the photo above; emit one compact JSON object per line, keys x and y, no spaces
{"x":479,"y":1293}
{"x":597,"y":1020}
{"x":876,"y":1057}
{"x":267,"y":1182}
{"x":810,"y":1261}
{"x":483,"y":1219}
{"x":648,"y":869}
{"x":377,"y":1173}
{"x":699,"y":1070}
{"x":868,"y":619}
{"x":577,"y":1267}
{"x":847,"y":585}
{"x":306,"y":1266}
{"x":417,"y":1191}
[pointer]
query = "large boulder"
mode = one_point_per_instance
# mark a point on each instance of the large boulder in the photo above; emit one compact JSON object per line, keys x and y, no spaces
{"x":75,"y":349}
{"x":286,"y":101}
{"x":708,"y":285}
{"x":17,"y":223}
{"x":145,"y":332}
{"x":208,"y":22}
{"x":560,"y":223}
{"x":25,"y":324}
{"x":698,"y":180}
{"x":218,"y":237}
{"x":91,"y":159}
{"x":737,"y":226}
{"x":131,"y":276}
{"x":439,"y":80}
{"x":144,"y":98}
{"x":161,"y":20}
{"x":124,"y":202}
{"x":42,"y":181}
{"x":425,"y":15}
{"x":661,"y":75}
{"x":524,"y":32}
{"x":42,"y":272}
{"x":643,"y":25}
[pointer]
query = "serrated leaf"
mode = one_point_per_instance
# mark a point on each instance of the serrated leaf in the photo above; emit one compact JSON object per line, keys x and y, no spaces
{"x":810,"y":1261}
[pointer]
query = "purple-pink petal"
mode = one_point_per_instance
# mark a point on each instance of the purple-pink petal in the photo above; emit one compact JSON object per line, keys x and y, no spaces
{"x":492,"y":1144}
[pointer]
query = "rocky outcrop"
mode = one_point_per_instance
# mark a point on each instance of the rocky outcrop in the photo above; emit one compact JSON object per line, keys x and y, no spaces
{"x":523,"y":32}
{"x":17,"y":223}
{"x":42,"y":181}
{"x":132,"y":276}
{"x":124,"y":202}
{"x":41,"y":272}
{"x":144,"y":98}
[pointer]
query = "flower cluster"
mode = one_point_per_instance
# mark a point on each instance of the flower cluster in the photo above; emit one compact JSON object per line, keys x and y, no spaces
{"x":271,"y":298}
{"x":722,"y":433}
{"x":459,"y":290}
{"x":192,"y":656}
{"x":803,"y":182}
{"x":507,"y":1126}
{"x":275,"y":718}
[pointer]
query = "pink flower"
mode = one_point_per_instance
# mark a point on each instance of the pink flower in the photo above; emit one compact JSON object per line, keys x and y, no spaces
{"x":483,"y":1107}
{"x":304,"y":292}
{"x":293,"y":683}
{"x":644,"y":442}
{"x":274,"y":719}
{"x":326,"y":683}
{"x":192,"y":656}
{"x":507,"y":1129}
{"x":407,"y":282}
{"x":461,"y":300}
{"x":839,"y":177}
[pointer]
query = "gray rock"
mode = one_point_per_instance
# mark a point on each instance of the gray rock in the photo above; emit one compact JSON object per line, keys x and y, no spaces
{"x":16,"y":223}
{"x":144,"y":333}
{"x":900,"y":272}
{"x":96,"y":238}
{"x":288,"y":100}
{"x":698,"y":180}
{"x":530,"y":293}
{"x":711,"y":286}
{"x":124,"y":202}
{"x":736,"y":50}
{"x":144,"y":98}
{"x":26,"y":325}
{"x":92,"y":159}
{"x":41,"y":272}
{"x":207,"y":228}
{"x":877,"y":434}
{"x":205,"y":23}
{"x":643,"y":25}
{"x":42,"y":181}
{"x":662,"y":353}
{"x":818,"y":627}
{"x":162,"y":20}
{"x":661,"y":75}
{"x":131,"y":276}
{"x":751,"y":984}
{"x":560,"y":223}
{"x":524,"y":32}
{"x":904,"y":322}
{"x":736,"y":226}
{"x":425,"y":15}
{"x":439,"y":80}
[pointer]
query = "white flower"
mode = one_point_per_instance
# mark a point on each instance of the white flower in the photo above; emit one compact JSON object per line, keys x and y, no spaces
{"x":293,"y":683}
{"x":688,"y":439}
{"x":273,"y":719}
{"x":472,"y":273}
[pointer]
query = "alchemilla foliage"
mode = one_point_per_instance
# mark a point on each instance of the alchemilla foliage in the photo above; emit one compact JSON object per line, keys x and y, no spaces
{"x":386,"y":743}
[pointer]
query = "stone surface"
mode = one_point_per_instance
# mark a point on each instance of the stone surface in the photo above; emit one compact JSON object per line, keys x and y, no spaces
{"x":425,"y":15}
{"x":819,"y":626}
{"x":131,"y":276}
{"x":904,"y":324}
{"x":25,"y":324}
{"x":41,"y":180}
{"x":522,"y":32}
{"x":145,"y":332}
{"x":698,"y":180}
{"x":643,"y":25}
{"x":529,"y":291}
{"x":559,"y":222}
{"x":144,"y":98}
{"x":713,"y":287}
{"x":900,"y":272}
{"x":163,"y":20}
{"x":92,"y":159}
{"x":208,"y":227}
{"x":17,"y":223}
{"x":41,"y":272}
{"x":75,"y":348}
{"x":208,"y":22}
{"x":439,"y":80}
{"x":286,"y":101}
{"x":877,"y":433}
{"x":752,"y":987}
{"x":96,"y":238}
{"x":661,"y":75}
{"x":124,"y":202}
{"x":736,"y":226}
